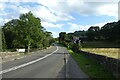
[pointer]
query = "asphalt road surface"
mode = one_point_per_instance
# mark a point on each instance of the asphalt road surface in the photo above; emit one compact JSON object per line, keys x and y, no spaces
{"x":52,"y":63}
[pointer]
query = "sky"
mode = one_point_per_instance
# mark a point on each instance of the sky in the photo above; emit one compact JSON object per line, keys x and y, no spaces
{"x":62,"y":15}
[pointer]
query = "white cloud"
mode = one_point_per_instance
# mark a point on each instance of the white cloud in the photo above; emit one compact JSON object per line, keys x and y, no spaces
{"x":2,"y":21}
{"x":2,"y":6}
{"x":51,"y":25}
{"x":76,"y":27}
{"x":82,"y":7}
{"x":109,"y":9}
{"x":54,"y":11}
{"x":49,"y":15}
{"x":46,"y":14}
{"x":54,"y":0}
{"x":59,"y":10}
{"x":23,"y":10}
{"x":55,"y":34}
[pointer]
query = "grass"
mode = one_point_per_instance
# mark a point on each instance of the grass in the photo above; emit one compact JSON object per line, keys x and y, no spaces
{"x":92,"y":69}
{"x":108,"y":49}
{"x":109,"y":52}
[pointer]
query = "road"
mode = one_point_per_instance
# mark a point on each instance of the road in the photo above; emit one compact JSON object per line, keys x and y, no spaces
{"x":52,"y":63}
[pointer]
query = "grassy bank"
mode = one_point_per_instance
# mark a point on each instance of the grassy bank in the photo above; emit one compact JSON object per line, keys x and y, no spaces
{"x":92,"y":69}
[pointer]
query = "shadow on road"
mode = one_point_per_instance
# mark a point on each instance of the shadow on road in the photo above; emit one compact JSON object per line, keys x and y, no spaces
{"x":70,"y":70}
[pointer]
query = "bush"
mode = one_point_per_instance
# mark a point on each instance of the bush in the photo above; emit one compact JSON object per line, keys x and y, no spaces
{"x":75,"y":47}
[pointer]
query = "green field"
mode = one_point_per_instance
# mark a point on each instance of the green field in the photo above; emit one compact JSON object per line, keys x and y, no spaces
{"x":92,"y":69}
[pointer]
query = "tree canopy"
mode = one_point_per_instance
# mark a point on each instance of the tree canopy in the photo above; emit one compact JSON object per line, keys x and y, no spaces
{"x":109,"y":32}
{"x":26,"y":32}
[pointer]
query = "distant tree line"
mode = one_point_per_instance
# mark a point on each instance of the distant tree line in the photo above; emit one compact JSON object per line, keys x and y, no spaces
{"x":109,"y":32}
{"x":25,"y":32}
{"x":68,"y":41}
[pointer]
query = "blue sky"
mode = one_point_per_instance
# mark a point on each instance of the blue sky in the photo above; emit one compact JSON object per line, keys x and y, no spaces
{"x":62,"y":15}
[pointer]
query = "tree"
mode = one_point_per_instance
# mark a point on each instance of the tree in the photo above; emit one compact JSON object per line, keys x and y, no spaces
{"x":0,"y":38}
{"x":93,"y":33}
{"x":63,"y":38}
{"x":30,"y":30}
{"x":108,"y":32}
{"x":26,"y":32}
{"x":116,"y":32}
{"x":9,"y":32}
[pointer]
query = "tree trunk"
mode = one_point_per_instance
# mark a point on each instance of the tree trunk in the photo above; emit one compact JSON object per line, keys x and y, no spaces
{"x":28,"y":46}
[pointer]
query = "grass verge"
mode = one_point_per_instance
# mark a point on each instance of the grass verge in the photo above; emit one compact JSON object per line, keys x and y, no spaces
{"x":92,"y":69}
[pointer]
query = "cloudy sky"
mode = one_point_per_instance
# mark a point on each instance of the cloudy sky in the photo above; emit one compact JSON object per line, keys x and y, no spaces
{"x":62,"y":15}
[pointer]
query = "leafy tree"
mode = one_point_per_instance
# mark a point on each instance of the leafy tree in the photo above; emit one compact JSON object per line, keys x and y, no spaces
{"x":116,"y":32}
{"x":0,"y":38}
{"x":93,"y":33}
{"x":63,"y":38}
{"x":26,"y":32}
{"x":107,"y":32}
{"x":9,"y":32}
{"x":30,"y":30}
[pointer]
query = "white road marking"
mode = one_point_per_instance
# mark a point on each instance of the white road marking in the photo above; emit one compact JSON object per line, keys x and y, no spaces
{"x":26,"y":64}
